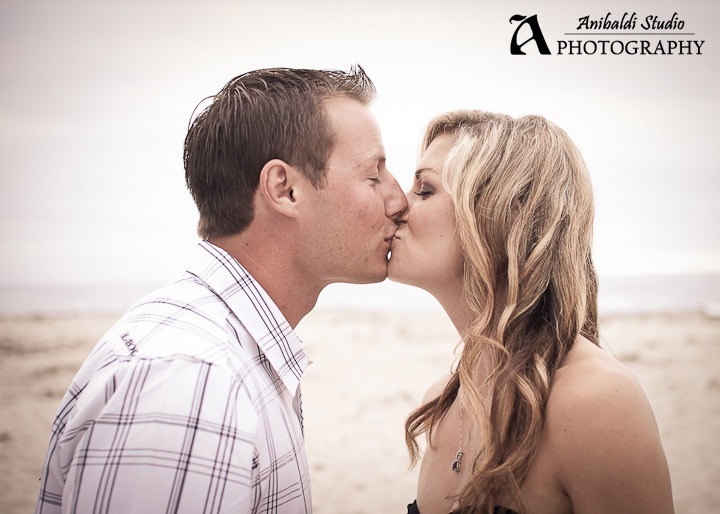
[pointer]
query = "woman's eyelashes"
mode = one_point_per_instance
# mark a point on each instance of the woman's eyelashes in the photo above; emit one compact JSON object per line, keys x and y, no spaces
{"x":424,"y":190}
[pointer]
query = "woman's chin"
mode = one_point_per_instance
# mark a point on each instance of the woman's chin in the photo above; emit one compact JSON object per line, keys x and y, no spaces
{"x":396,"y":273}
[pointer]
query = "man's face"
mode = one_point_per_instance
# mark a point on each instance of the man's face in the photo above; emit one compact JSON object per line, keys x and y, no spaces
{"x":352,"y":219}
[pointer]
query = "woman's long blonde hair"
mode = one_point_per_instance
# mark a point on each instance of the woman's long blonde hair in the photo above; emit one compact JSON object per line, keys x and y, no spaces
{"x":524,"y":211}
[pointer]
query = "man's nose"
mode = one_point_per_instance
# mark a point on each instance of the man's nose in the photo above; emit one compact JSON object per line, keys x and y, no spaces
{"x":395,"y":201}
{"x":402,"y":218}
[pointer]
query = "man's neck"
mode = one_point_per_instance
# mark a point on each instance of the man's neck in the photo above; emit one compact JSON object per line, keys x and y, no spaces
{"x":273,"y":267}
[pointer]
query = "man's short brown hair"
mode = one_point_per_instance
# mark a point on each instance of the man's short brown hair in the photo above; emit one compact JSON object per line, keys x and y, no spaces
{"x":261,"y":115}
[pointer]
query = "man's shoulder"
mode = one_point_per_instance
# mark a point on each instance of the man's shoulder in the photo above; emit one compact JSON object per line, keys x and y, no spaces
{"x":184,"y":317}
{"x":183,"y":328}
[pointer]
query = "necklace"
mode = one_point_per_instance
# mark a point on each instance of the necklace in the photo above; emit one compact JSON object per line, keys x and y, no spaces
{"x":458,"y":456}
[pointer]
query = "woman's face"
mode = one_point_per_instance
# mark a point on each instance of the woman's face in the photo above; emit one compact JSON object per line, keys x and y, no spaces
{"x":425,"y":250}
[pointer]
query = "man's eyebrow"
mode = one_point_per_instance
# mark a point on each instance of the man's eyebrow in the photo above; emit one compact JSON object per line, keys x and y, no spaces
{"x":378,"y":157}
{"x":420,"y":172}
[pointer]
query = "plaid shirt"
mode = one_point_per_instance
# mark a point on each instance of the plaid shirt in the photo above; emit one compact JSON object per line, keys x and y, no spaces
{"x":190,"y":403}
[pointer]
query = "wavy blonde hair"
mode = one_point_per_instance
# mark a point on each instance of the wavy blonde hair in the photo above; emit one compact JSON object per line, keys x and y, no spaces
{"x":524,"y":211}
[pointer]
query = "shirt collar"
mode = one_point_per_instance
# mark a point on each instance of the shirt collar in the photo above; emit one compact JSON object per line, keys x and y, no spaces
{"x":255,"y":309}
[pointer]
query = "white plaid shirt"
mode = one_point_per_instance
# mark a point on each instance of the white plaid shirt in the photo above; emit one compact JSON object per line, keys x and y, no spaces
{"x":190,"y":403}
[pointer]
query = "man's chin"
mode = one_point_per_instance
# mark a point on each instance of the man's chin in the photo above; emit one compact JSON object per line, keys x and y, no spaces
{"x":369,"y":279}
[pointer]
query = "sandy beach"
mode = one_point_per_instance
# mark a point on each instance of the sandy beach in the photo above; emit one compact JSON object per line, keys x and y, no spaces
{"x":369,"y":370}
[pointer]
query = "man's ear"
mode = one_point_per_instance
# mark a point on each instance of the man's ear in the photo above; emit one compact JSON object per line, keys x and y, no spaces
{"x":277,"y":186}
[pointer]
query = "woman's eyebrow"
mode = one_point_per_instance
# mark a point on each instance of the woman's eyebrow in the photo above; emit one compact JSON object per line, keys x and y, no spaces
{"x":420,"y":172}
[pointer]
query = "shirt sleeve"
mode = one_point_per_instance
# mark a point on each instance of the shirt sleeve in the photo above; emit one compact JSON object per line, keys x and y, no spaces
{"x":160,"y":435}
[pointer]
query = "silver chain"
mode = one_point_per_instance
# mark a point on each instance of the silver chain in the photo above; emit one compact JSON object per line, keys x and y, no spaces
{"x":458,"y":456}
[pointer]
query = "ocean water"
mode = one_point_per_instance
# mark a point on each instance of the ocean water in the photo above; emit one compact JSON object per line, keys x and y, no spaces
{"x":618,"y":295}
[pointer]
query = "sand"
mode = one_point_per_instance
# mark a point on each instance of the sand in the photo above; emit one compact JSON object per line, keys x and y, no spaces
{"x":369,"y":370}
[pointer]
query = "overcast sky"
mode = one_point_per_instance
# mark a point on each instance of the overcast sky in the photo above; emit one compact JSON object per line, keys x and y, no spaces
{"x":95,"y":100}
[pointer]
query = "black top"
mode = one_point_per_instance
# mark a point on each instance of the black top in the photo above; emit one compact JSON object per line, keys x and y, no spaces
{"x":413,"y":509}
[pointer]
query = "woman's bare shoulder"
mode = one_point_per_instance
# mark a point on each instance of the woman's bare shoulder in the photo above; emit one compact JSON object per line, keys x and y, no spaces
{"x":603,"y":435}
{"x":594,"y":387}
{"x":590,"y":370}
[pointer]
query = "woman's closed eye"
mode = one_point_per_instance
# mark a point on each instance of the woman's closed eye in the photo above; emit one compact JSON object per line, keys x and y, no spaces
{"x":424,"y":190}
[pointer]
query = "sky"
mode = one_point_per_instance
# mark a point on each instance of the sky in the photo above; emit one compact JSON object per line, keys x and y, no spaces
{"x":95,"y":100}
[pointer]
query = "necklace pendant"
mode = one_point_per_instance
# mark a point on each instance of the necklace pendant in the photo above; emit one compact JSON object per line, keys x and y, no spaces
{"x":456,"y":463}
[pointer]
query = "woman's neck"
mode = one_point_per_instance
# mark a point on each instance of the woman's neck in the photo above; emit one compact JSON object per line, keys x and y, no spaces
{"x":453,"y":303}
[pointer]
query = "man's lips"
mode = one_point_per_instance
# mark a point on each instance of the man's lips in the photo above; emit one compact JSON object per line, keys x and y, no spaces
{"x":394,"y":238}
{"x":389,"y":238}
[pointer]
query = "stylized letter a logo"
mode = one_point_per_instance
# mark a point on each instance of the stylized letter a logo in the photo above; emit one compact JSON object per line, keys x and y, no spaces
{"x":532,"y":21}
